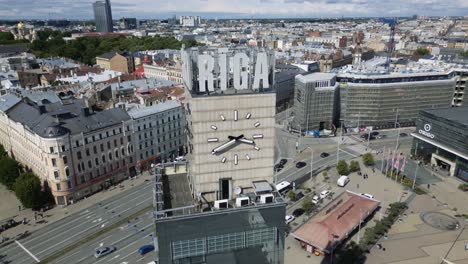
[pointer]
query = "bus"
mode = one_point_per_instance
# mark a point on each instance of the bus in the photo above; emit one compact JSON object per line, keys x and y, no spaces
{"x":283,"y":187}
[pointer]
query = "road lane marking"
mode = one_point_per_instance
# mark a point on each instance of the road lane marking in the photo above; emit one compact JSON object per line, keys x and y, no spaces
{"x":27,"y":251}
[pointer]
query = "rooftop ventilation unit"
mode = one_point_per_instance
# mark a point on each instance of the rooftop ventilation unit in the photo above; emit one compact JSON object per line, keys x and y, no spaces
{"x":221,"y":204}
{"x":242,"y":201}
{"x":266,"y":198}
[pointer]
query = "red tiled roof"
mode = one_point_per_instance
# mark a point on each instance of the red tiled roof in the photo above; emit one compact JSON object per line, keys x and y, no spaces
{"x":339,"y":218}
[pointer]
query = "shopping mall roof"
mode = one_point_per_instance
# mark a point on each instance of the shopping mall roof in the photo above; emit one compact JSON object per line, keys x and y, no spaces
{"x":451,"y":114}
{"x":336,"y":220}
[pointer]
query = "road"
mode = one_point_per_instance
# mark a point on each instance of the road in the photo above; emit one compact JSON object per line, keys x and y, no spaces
{"x":76,"y":227}
{"x":127,"y":239}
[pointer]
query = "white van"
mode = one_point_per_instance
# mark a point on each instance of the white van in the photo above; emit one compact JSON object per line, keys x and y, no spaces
{"x":342,"y":181}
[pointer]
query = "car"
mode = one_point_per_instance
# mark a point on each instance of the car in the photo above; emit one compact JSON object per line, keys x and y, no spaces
{"x":283,"y":162}
{"x":324,"y":155}
{"x":103,"y":251}
{"x":370,"y":196}
{"x":145,"y":249}
{"x":316,"y":199}
{"x":364,"y":136}
{"x":403,"y":135}
{"x":300,"y":164}
{"x":374,"y":133}
{"x":180,"y":159}
{"x":324,"y":194}
{"x":278,"y":167}
{"x":298,"y":212}
{"x":289,"y":218}
{"x":299,"y":195}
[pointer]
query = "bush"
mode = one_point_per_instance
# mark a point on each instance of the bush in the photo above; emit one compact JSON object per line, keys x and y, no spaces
{"x":342,"y":167}
{"x":368,"y":159}
{"x":291,"y":195}
{"x":463,"y":187}
{"x":307,"y":205}
{"x":3,"y":153}
{"x":354,"y":166}
{"x":419,"y":191}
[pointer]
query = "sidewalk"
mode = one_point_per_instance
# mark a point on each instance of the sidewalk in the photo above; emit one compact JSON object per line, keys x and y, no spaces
{"x":59,"y":212}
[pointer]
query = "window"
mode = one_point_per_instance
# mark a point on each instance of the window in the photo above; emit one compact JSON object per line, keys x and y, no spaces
{"x":87,"y":152}
{"x":94,"y":138}
{"x":103,"y":158}
{"x":129,"y":138}
{"x":79,"y":167}
{"x":123,"y":152}
{"x":108,"y":145}
{"x":121,"y":141}
{"x":63,"y":148}
{"x":59,"y":188}
{"x":86,"y":140}
{"x":77,"y":143}
{"x":110,"y":155}
{"x":95,"y":149}
{"x":56,"y":175}
{"x":96,"y":160}
{"x":100,"y":136}
{"x":82,"y":178}
{"x":102,"y":147}
{"x":69,"y":185}
{"x":67,"y":172}
{"x":65,"y":160}
{"x":116,"y":154}
{"x":90,"y":164}
{"x":107,"y":133}
{"x":54,"y":162}
{"x":78,"y":155}
{"x":115,"y":143}
{"x":51,"y":149}
{"x":120,"y":130}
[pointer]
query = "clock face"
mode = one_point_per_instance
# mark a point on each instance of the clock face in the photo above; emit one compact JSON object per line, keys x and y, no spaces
{"x":224,"y":145}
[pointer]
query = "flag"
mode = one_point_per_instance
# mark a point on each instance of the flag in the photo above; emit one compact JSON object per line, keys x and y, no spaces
{"x":396,"y":165}
{"x":402,"y":169}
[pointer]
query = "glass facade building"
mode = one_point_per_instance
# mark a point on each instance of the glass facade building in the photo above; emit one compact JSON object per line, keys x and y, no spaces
{"x":383,"y":100}
{"x":103,"y":16}
{"x":441,"y":138}
{"x":240,"y":235}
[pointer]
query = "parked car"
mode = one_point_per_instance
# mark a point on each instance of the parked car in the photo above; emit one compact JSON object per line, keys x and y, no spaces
{"x":289,"y":219}
{"x":374,"y":133}
{"x":342,"y":181}
{"x":283,"y":162}
{"x":324,"y":194}
{"x":300,"y":164}
{"x":103,"y":251}
{"x":145,"y":249}
{"x":403,"y":135}
{"x":370,"y":196}
{"x":180,"y":159}
{"x":299,"y":195}
{"x":278,"y":167}
{"x":316,"y":199}
{"x":298,"y":212}
{"x":324,"y":155}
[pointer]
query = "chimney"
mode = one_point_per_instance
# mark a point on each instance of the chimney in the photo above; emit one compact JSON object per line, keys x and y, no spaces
{"x":85,"y":111}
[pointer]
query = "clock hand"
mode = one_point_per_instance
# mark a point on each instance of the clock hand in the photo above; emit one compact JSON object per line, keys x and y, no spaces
{"x":223,"y":146}
{"x":247,"y":141}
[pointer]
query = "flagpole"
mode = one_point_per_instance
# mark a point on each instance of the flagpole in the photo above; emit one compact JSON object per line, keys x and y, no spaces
{"x":383,"y":159}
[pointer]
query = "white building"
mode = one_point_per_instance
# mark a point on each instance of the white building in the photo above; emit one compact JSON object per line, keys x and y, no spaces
{"x":190,"y":21}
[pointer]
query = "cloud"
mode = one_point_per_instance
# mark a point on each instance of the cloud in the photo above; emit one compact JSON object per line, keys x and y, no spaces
{"x":82,"y":9}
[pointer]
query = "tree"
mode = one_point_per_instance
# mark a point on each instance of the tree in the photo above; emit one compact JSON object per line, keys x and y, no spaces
{"x":307,"y":205}
{"x":28,"y":190}
{"x":464,"y":54}
{"x":342,"y":167}
{"x":350,"y":254}
{"x":422,"y":52}
{"x":368,"y":159}
{"x":291,"y":195}
{"x":354,"y":166}
{"x":3,"y":153}
{"x":9,"y":171}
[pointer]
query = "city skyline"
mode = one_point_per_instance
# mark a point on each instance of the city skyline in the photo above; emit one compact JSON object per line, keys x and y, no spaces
{"x":35,"y":9}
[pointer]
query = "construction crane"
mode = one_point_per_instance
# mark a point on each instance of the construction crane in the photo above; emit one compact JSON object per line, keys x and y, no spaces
{"x":391,"y":40}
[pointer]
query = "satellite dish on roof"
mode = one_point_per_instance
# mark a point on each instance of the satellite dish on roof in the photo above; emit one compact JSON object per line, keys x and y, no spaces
{"x":238,"y":190}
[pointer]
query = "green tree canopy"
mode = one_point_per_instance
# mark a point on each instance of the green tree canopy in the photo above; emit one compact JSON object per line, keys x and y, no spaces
{"x":422,"y":52}
{"x":28,"y":190}
{"x":307,"y":205}
{"x":368,"y":159}
{"x":342,"y":167}
{"x":3,"y":153}
{"x":9,"y":171}
{"x":354,"y":166}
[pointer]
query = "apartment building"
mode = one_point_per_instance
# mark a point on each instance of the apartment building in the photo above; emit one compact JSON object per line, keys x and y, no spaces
{"x":121,"y":62}
{"x":72,"y":149}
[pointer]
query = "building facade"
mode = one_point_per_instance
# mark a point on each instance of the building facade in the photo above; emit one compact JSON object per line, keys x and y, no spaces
{"x":73,"y":150}
{"x":190,"y":21}
{"x":121,"y":62}
{"x":461,"y":77}
{"x":159,"y":133}
{"x":103,"y":16}
{"x":315,"y":101}
{"x":231,"y":117}
{"x":441,"y":138}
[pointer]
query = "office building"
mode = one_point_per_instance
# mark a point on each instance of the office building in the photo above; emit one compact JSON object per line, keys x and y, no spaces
{"x":461,"y":77}
{"x":315,"y":101}
{"x":190,"y":21}
{"x":441,"y":138}
{"x":248,"y":229}
{"x":103,"y":16}
{"x":128,"y":23}
{"x":231,"y":117}
{"x":72,"y":149}
{"x":159,"y":133}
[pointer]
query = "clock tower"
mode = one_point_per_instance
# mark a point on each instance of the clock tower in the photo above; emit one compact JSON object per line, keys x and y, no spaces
{"x":231,"y":119}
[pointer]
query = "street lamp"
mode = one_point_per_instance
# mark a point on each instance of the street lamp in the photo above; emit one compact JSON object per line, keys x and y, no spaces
{"x":398,"y":135}
{"x":311,"y":161}
{"x":416,"y":173}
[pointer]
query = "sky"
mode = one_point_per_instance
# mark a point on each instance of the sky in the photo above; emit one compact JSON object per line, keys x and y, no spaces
{"x":82,"y":9}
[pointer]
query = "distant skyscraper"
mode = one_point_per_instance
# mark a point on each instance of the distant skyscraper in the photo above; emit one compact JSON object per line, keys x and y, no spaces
{"x":103,"y":16}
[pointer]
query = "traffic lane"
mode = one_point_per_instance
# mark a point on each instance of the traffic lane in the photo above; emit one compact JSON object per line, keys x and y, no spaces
{"x":127,"y":239}
{"x":66,"y":227}
{"x":293,"y":173}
